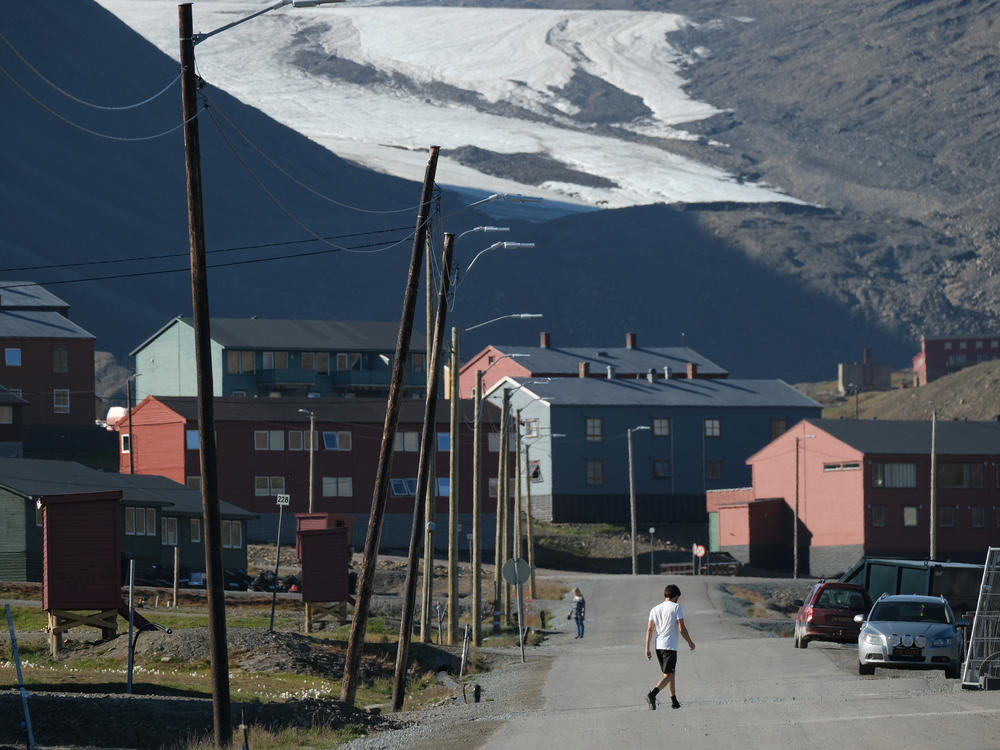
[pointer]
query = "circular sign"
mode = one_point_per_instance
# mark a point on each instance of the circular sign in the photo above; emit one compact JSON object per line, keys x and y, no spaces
{"x":699,"y":550}
{"x":516,"y":571}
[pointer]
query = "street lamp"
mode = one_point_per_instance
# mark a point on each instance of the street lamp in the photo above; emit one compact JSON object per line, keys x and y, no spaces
{"x":631,"y":494}
{"x":214,"y":583}
{"x":795,"y":526}
{"x":312,"y":452}
{"x":517,"y":316}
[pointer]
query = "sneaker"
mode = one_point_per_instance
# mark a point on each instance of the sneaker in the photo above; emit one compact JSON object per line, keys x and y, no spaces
{"x":651,"y":700}
{"x":674,"y":703}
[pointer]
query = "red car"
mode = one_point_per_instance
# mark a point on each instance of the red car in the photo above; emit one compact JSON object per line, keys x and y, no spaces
{"x":828,"y":613}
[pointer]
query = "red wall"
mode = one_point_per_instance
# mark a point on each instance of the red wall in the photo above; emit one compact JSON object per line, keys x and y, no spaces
{"x":36,"y":380}
{"x":495,"y":369}
{"x":158,"y":440}
{"x":324,"y":564}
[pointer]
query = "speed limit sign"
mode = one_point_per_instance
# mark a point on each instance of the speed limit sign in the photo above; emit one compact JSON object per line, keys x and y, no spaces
{"x":699,"y":550}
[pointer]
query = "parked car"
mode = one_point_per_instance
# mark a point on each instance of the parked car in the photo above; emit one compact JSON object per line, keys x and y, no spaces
{"x":910,"y":631}
{"x":828,"y":613}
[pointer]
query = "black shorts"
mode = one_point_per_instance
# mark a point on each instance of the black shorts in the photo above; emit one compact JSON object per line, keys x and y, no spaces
{"x":667,"y":659}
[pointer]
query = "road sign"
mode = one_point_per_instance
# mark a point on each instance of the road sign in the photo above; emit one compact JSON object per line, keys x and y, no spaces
{"x":516,"y":571}
{"x":282,"y":500}
{"x":699,"y":550}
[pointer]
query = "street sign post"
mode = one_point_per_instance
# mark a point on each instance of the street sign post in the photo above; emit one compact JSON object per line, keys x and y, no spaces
{"x":516,"y":571}
{"x":282,"y":501}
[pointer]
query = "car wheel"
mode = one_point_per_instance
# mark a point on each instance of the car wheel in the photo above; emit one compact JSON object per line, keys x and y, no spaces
{"x":803,"y":641}
{"x":865,"y":668}
{"x":952,"y":672}
{"x":795,"y":637}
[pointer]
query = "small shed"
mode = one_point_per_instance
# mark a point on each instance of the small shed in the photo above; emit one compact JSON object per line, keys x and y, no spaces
{"x":304,"y":521}
{"x":81,"y":551}
{"x":324,"y":555}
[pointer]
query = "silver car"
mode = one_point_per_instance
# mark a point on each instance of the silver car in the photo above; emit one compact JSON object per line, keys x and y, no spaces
{"x":909,"y":631}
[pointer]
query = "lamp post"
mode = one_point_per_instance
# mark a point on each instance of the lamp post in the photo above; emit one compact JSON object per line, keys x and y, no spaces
{"x":631,"y":494}
{"x":312,"y":453}
{"x":214,"y":582}
{"x":518,"y":316}
{"x":795,"y":525}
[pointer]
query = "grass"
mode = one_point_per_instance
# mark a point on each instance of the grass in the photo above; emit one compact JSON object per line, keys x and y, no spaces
{"x":286,"y":739}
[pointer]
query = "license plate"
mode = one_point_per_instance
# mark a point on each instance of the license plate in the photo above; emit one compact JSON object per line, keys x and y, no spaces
{"x":843,"y":619}
{"x":911,"y":652}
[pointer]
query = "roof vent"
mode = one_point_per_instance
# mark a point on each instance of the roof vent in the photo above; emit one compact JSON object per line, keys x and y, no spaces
{"x":666,"y":372}
{"x":611,"y":372}
{"x":651,"y":375}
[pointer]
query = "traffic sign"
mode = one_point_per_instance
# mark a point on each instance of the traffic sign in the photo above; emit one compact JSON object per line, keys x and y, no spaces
{"x":699,"y":550}
{"x":282,"y":500}
{"x":516,"y":571}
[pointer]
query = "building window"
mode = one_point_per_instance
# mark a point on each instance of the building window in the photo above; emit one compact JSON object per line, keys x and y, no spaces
{"x":878,"y":515}
{"x":977,"y":516}
{"x":238,"y":394}
{"x":323,"y":363}
{"x":191,"y":440}
{"x":894,"y":475}
{"x":713,"y":469}
{"x":126,"y":443}
{"x":713,"y":428}
{"x":534,"y":471}
{"x":444,"y":442}
{"x":239,"y":362}
{"x":403,"y":487}
{"x":418,"y":362}
{"x":195,"y":529}
{"x":274,"y":360}
{"x":946,"y":516}
{"x":60,"y":360}
{"x":595,"y":471}
{"x":531,"y":427}
{"x":338,"y":441}
{"x":265,"y":486}
{"x":493,"y":445}
{"x":308,"y":360}
{"x":778,"y":427}
{"x":60,"y":401}
{"x":909,"y":515}
{"x":846,"y":466}
{"x":338,"y":487}
{"x":140,"y":521}
{"x":168,"y":531}
{"x":232,"y":534}
{"x":661,"y":427}
{"x":6,"y":414}
{"x":662,"y":468}
{"x":406,"y":441}
{"x":193,"y":482}
{"x":444,"y":487}
{"x":492,"y":487}
{"x":595,"y":429}
{"x":960,"y":476}
{"x":298,"y":440}
{"x":269,"y":440}
{"x":963,"y":344}
{"x":12,"y":356}
{"x":947,"y":345}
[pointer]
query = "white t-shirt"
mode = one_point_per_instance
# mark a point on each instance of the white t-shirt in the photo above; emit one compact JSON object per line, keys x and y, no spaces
{"x":664,"y":617}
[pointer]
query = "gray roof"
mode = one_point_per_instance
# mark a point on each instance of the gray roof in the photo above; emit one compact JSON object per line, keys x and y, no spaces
{"x":914,"y":437}
{"x":35,"y":477}
{"x":335,"y":335}
{"x":39,"y":324}
{"x":640,"y":392}
{"x":25,"y":295}
{"x":545,"y":360}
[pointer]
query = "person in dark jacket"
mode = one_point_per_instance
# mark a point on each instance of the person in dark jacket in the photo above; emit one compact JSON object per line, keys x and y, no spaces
{"x":577,"y":611}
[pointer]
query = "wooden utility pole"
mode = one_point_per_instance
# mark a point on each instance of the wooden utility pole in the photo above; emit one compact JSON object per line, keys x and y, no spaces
{"x":366,"y":581}
{"x":795,"y":519}
{"x":424,"y":469}
{"x":933,"y":499}
{"x":214,"y":582}
{"x":631,"y":504}
{"x":517,"y":490}
{"x":477,"y":513}
{"x":527,"y":519}
{"x":430,"y":504}
{"x":501,"y":522}
{"x":505,"y":533}
{"x":131,"y":435}
{"x":453,"y":517}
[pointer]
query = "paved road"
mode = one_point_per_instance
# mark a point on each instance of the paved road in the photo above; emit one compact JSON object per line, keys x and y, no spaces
{"x":739,"y":688}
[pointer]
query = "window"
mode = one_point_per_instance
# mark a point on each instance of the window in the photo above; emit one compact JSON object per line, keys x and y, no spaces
{"x":947,"y":345}
{"x":338,"y":441}
{"x":847,"y":466}
{"x":963,"y":344}
{"x":713,"y":428}
{"x":60,"y":401}
{"x":341,"y":362}
{"x":960,"y":476}
{"x":265,"y":486}
{"x":444,"y":442}
{"x":595,"y":471}
{"x":269,"y":440}
{"x":194,"y":482}
{"x":418,"y":362}
{"x":126,"y":443}
{"x":239,"y":394}
{"x":60,"y":360}
{"x":274,"y":360}
{"x":534,"y":471}
{"x":713,"y":469}
{"x":661,"y":427}
{"x":295,"y":440}
{"x":238,"y":363}
{"x":493,"y":443}
{"x":909,"y":515}
{"x":232,"y":534}
{"x":195,"y":529}
{"x":878,"y":515}
{"x":323,"y":363}
{"x":492,"y":488}
{"x":778,"y":427}
{"x":191,"y":440}
{"x":168,"y":531}
{"x":407,"y":441}
{"x":140,"y":521}
{"x":338,"y":487}
{"x":444,"y":486}
{"x":308,"y":360}
{"x":403,"y":487}
{"x":12,"y":356}
{"x":977,"y":517}
{"x":6,"y":414}
{"x":946,"y":516}
{"x":894,"y":475}
{"x":595,"y":432}
{"x":662,"y":468}
{"x":531,"y":428}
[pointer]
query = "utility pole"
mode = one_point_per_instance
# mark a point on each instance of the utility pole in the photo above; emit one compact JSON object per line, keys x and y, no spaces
{"x":214,"y":581}
{"x":477,"y":514}
{"x":453,"y":494}
{"x":527,"y":520}
{"x":795,"y":522}
{"x":500,"y":547}
{"x":933,"y":499}
{"x":517,"y":489}
{"x":424,"y":468}
{"x":632,"y":513}
{"x":430,"y":504}
{"x":131,"y":435}
{"x":366,"y":581}
{"x":312,"y":460}
{"x":506,"y":533}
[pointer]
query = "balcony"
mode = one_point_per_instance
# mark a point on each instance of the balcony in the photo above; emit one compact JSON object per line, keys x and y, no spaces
{"x":290,"y":378}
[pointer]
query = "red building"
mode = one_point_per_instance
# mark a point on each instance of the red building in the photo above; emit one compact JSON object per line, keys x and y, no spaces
{"x":263,"y":451}
{"x":941,"y":355}
{"x":548,"y":361}
{"x":863,"y":488}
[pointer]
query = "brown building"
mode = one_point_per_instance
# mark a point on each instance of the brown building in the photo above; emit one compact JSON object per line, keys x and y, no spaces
{"x":941,"y":355}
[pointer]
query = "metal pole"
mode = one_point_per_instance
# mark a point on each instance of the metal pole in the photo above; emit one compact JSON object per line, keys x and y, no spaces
{"x":177,"y":570}
{"x":519,"y":477}
{"x":312,"y":455}
{"x":277,"y":562}
{"x":131,"y":622}
{"x":423,"y":470}
{"x":933,"y":499}
{"x":477,"y":513}
{"x":631,"y":494}
{"x":520,"y":615}
{"x":499,"y":587}
{"x":380,"y":496}
{"x":453,"y":550}
{"x":795,"y":518}
{"x":651,"y":569}
{"x":214,"y":582}
{"x":20,"y":677}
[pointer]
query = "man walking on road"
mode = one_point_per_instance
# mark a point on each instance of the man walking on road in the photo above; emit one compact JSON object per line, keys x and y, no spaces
{"x":666,"y":620}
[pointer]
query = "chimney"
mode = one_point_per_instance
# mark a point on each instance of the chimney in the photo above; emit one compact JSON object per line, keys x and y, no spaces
{"x":630,"y":341}
{"x":666,"y":372}
{"x":545,"y":339}
{"x":651,"y":375}
{"x":611,"y":372}
{"x":692,"y":370}
{"x":584,"y":369}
